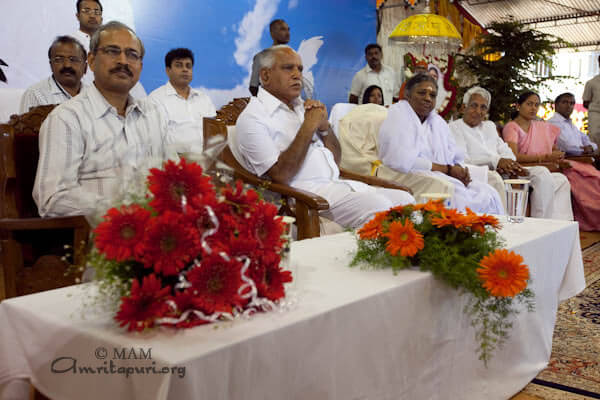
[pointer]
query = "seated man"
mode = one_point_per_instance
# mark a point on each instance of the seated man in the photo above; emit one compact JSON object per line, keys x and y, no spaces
{"x":479,"y":140}
{"x":571,"y":140}
{"x":290,"y":141}
{"x":68,"y":64}
{"x":184,"y":106}
{"x":415,"y":139}
{"x":87,"y":141}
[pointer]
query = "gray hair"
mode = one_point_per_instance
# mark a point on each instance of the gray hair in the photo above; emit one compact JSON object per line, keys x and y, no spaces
{"x":480,"y":91}
{"x":112,"y":26}
{"x":266,"y":58}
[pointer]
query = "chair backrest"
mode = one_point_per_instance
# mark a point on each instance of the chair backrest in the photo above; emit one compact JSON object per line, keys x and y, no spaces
{"x":19,"y":154}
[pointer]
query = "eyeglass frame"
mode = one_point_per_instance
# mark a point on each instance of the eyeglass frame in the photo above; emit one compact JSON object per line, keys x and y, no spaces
{"x":62,"y":59}
{"x":95,"y":11}
{"x":130,"y":54}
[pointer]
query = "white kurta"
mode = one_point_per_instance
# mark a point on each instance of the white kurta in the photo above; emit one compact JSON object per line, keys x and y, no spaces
{"x":267,"y":127}
{"x":407,"y":145}
{"x":551,"y":196}
{"x":386,"y":79}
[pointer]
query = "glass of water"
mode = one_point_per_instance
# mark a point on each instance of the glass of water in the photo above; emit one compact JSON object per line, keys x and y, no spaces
{"x":517,"y":192}
{"x":286,"y":262}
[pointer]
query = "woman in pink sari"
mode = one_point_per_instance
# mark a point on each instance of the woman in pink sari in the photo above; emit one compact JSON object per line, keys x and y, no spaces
{"x":534,"y":141}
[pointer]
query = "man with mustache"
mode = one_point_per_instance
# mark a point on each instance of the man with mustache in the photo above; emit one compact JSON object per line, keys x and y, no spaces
{"x":68,"y":64}
{"x":89,"y":16}
{"x":89,"y":142}
{"x":375,"y":73}
{"x":290,"y":141}
{"x":184,"y":106}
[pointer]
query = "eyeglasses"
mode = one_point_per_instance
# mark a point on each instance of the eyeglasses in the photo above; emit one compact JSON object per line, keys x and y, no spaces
{"x":61,"y":60}
{"x":114,"y":52}
{"x":95,"y":11}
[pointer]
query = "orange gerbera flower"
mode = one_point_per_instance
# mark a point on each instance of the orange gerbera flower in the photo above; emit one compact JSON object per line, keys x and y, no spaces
{"x":404,"y":239}
{"x":503,"y":273}
{"x":490,"y":220}
{"x":432,"y":206}
{"x":447,"y":217}
{"x":374,"y":228}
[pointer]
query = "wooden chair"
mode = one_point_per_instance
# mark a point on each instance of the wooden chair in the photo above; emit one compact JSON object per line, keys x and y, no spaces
{"x":302,"y":205}
{"x":31,"y":248}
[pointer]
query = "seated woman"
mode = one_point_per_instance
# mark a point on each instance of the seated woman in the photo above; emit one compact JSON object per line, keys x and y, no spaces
{"x":534,"y":141}
{"x":415,"y":141}
{"x":373,"y":94}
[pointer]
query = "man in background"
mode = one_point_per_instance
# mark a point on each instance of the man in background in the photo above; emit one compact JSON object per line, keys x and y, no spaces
{"x":89,"y":15}
{"x":375,"y":73}
{"x":280,"y":33}
{"x":184,"y":106}
{"x":571,"y":140}
{"x":591,"y":101}
{"x":68,"y":62}
{"x":88,"y":142}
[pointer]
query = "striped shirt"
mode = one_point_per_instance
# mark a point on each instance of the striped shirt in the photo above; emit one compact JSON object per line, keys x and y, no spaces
{"x":47,"y":91}
{"x":84,"y":147}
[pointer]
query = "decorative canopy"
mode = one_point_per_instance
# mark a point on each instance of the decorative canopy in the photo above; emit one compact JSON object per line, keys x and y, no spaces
{"x":426,"y":28}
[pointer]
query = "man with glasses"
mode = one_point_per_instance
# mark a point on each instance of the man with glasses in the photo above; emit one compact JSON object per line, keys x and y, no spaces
{"x":68,"y":64}
{"x":90,"y":141}
{"x":89,"y":15}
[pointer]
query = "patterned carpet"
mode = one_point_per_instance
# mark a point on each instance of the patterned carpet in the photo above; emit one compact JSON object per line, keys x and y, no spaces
{"x":574,"y":368}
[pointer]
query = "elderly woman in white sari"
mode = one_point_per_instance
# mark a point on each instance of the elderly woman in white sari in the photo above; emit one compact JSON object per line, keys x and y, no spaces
{"x":415,"y":139}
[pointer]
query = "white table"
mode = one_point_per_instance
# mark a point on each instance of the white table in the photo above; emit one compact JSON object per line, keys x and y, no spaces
{"x":355,"y":334}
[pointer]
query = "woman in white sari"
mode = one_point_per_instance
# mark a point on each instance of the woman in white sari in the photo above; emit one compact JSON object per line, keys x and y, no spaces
{"x":415,"y":139}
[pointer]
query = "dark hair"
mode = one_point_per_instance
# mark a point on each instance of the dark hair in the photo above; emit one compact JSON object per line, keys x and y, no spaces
{"x":372,"y":46}
{"x":95,"y":1}
{"x":67,"y":40}
{"x":273,"y":23}
{"x":367,"y":94}
{"x":560,"y":96}
{"x":178,"y":54}
{"x":522,"y":99}
{"x":418,"y":78}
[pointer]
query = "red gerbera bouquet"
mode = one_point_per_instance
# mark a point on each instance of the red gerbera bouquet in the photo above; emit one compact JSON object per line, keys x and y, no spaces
{"x":461,"y":249}
{"x":189,"y":254}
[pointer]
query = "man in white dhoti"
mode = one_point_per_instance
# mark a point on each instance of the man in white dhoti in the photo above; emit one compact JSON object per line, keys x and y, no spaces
{"x":481,"y":144}
{"x":414,"y":138}
{"x":291,"y":142}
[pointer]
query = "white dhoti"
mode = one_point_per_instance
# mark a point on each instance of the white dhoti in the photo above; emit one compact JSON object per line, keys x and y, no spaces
{"x":551,"y":196}
{"x":352,"y":204}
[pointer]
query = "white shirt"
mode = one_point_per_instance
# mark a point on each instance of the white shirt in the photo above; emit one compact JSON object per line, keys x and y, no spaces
{"x":83,"y":38}
{"x":571,"y":139}
{"x":47,"y":91}
{"x":267,"y":127}
{"x":481,"y":144}
{"x":386,"y":79}
{"x":184,"y":115}
{"x":84,"y":145}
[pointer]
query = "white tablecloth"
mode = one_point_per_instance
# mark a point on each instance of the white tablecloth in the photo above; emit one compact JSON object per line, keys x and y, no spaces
{"x":355,"y":334}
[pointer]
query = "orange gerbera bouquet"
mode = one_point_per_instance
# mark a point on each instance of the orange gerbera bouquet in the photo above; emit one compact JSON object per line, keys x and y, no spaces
{"x":461,"y":249}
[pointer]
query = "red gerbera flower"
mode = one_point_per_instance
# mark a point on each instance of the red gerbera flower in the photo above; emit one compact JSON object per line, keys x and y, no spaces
{"x":170,"y":243}
{"x":120,"y":236}
{"x":144,"y":304}
{"x":185,"y":301}
{"x":266,"y":226}
{"x":174,"y":181}
{"x":269,"y":277}
{"x":215,"y":284}
{"x":238,"y":199}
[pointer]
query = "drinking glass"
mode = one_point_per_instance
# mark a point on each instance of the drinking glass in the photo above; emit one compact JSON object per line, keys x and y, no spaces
{"x":517,"y":192}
